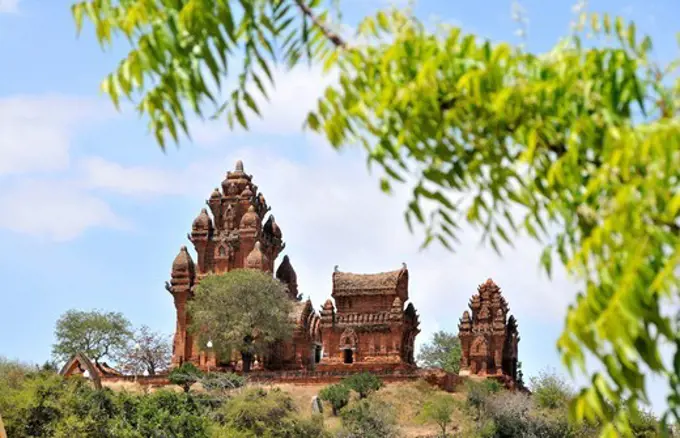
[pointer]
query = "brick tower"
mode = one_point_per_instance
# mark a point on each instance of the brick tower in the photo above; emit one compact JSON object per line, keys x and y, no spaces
{"x":236,"y":236}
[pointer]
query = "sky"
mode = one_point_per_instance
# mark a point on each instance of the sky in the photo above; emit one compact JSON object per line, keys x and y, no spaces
{"x":92,"y":213}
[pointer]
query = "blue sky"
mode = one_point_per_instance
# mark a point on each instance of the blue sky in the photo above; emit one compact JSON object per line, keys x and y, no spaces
{"x":92,"y":213}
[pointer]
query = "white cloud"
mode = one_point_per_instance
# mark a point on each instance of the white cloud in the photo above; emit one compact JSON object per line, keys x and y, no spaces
{"x":57,"y":211}
{"x":9,"y":6}
{"x":36,"y":131}
{"x":36,"y":135}
{"x":137,"y":181}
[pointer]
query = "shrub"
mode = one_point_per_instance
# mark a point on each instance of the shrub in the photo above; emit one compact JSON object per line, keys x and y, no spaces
{"x":369,"y":418}
{"x":185,"y":375}
{"x":479,"y":392}
{"x":271,"y":414}
{"x":550,"y":390}
{"x":45,"y":404}
{"x":222,"y":382}
{"x":363,"y":383}
{"x":438,"y":409}
{"x":337,"y":395}
{"x":509,"y":412}
{"x":492,"y":385}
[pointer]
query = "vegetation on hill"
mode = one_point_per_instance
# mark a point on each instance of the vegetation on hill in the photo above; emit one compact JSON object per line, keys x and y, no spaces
{"x":39,"y":403}
{"x":442,"y":351}
{"x":576,"y":147}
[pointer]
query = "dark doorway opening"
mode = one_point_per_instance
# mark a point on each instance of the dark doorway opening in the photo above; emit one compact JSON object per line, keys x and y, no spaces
{"x":317,"y":354}
{"x":349,"y":355}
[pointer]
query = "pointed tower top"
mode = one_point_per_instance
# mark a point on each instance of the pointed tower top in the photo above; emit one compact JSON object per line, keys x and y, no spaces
{"x":256,"y":259}
{"x":202,"y":221}
{"x":250,"y":220}
{"x":239,"y":166}
{"x":183,"y":261}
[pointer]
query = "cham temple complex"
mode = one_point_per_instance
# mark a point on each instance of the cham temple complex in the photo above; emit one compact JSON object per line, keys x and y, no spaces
{"x":366,"y":325}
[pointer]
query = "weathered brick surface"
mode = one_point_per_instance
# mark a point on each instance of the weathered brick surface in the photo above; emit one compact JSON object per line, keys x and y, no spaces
{"x":488,"y":337}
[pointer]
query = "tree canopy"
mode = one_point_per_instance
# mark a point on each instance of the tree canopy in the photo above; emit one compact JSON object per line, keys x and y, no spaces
{"x":442,"y":351}
{"x":578,"y":147}
{"x":244,"y":310}
{"x":94,"y":333}
{"x":147,"y":351}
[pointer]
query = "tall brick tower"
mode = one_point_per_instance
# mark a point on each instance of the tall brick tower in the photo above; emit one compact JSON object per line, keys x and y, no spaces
{"x":237,"y":236}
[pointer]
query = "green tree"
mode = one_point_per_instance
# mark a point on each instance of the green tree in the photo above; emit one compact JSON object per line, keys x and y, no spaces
{"x":438,"y":409}
{"x":243,"y":310}
{"x":550,"y":391}
{"x":576,"y":147}
{"x":443,"y":351}
{"x":147,"y":350}
{"x":96,"y":334}
{"x":337,"y":395}
{"x":363,"y":384}
{"x":185,"y":375}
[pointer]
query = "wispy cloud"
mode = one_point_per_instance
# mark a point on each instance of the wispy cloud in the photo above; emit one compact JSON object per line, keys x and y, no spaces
{"x":9,"y":6}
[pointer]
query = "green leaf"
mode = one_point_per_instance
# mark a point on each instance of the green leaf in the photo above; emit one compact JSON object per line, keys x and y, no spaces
{"x":546,"y":260}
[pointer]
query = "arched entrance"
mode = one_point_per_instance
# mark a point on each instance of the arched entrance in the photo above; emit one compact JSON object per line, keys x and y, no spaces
{"x":348,"y":356}
{"x":348,"y":345}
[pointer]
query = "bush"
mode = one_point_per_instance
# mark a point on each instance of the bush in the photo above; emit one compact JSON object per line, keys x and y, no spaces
{"x":271,"y":414}
{"x":45,"y":404}
{"x":515,"y":414}
{"x":222,"y":382}
{"x":438,"y":409}
{"x":185,"y":375}
{"x":369,"y":418}
{"x":479,"y":392}
{"x":337,"y":395}
{"x":509,"y":412}
{"x":550,"y":390}
{"x":363,"y":383}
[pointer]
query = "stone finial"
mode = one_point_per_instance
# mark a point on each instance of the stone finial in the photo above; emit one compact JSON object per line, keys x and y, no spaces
{"x":202,"y":221}
{"x":256,"y":259}
{"x":239,"y":166}
{"x":215,"y":194}
{"x":250,"y":220}
{"x":183,"y":261}
{"x":247,"y":193}
{"x":403,"y":265}
{"x":335,"y":269}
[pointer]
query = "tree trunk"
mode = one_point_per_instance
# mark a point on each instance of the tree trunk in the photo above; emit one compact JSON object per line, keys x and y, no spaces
{"x":247,"y":360}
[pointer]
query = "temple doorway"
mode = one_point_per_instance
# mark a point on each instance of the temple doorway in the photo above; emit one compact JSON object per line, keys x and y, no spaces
{"x":317,"y":354}
{"x":349,"y":355}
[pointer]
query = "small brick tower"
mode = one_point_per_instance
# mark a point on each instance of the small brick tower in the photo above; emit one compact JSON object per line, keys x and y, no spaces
{"x":371,"y":329}
{"x":488,"y":337}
